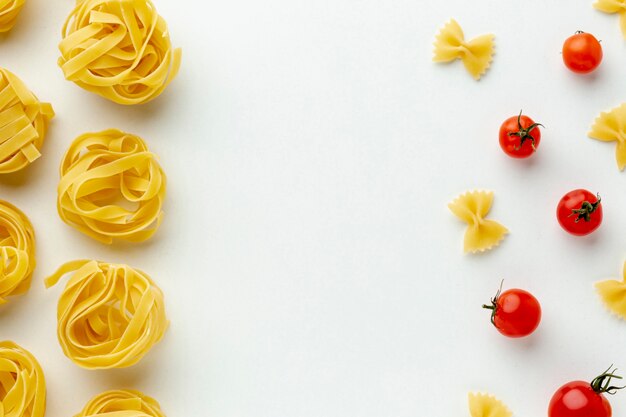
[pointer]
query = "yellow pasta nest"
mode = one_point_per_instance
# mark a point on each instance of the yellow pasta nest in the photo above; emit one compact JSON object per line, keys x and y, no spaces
{"x":614,"y":6}
{"x":111,"y":187}
{"x":23,"y":388}
{"x":611,"y":127}
{"x":484,"y":405}
{"x":481,"y":234}
{"x":17,"y":251}
{"x":125,"y":403}
{"x":613,"y":294}
{"x":109,"y":315}
{"x":23,"y":123}
{"x":9,"y":9}
{"x":119,"y":49}
{"x":476,"y":54}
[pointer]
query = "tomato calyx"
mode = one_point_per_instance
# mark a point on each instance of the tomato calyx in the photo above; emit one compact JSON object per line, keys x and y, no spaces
{"x":585,"y":210}
{"x":525,"y":134}
{"x":494,"y":304}
{"x":602,"y":383}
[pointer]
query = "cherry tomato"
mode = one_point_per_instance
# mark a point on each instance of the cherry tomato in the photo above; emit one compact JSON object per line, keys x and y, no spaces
{"x":584,"y":399}
{"x":579,"y":212}
{"x":582,"y":53}
{"x":519,"y":136}
{"x":515,"y":312}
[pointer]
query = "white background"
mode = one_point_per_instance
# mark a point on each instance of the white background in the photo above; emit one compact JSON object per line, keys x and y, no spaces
{"x":309,"y":262}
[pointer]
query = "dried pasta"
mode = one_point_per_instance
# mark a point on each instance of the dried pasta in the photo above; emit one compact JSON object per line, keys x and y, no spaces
{"x":613,"y":294}
{"x":476,"y":54}
{"x":23,"y":123}
{"x":611,"y":127}
{"x":484,"y":405}
{"x":111,"y":187}
{"x":22,"y":383}
{"x":17,"y":251}
{"x":121,"y":403}
{"x":481,"y":234}
{"x":614,"y":6}
{"x":119,"y":49}
{"x":9,"y":10}
{"x":109,"y":315}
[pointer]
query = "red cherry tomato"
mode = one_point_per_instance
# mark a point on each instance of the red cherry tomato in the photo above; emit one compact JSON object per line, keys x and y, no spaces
{"x":515,"y":312}
{"x":579,"y":212}
{"x":584,"y":399}
{"x":519,"y":136}
{"x":582,"y":53}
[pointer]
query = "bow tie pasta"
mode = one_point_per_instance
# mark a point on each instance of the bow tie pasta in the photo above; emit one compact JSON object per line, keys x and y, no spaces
{"x":613,"y":294}
{"x":611,"y":127}
{"x":122,"y":403}
{"x":109,"y":315}
{"x":119,"y":49}
{"x":484,"y":405}
{"x":614,"y":6}
{"x":481,"y":234}
{"x":476,"y":54}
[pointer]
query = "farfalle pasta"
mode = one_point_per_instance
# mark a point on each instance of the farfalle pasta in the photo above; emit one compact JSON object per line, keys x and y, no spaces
{"x":614,"y":6}
{"x":109,"y":315}
{"x":23,"y":123}
{"x":476,"y":54}
{"x":9,"y":10}
{"x":119,"y":49}
{"x":111,"y":187}
{"x":611,"y":127}
{"x":484,"y":405}
{"x":121,"y":403}
{"x":22,"y":383}
{"x":613,"y":294}
{"x":481,"y":234}
{"x":17,"y":251}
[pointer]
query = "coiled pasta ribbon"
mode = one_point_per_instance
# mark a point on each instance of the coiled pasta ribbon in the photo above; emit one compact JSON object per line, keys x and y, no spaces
{"x":23,"y":123}
{"x":111,"y":187}
{"x":109,"y":315}
{"x":22,"y":383}
{"x":614,"y":6}
{"x":17,"y":251}
{"x":121,"y":403}
{"x":9,"y":9}
{"x":119,"y":49}
{"x":476,"y":54}
{"x":481,"y":234}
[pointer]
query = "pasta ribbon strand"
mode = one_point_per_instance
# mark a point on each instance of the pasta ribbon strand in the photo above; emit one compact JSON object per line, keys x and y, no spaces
{"x":481,"y":234}
{"x":23,"y":123}
{"x":111,"y":187}
{"x":613,"y":294}
{"x":485,"y":405}
{"x":614,"y":6}
{"x":611,"y":127}
{"x":119,"y":49}
{"x":22,"y":383}
{"x":9,"y":10}
{"x":476,"y":54}
{"x":17,"y":251}
{"x":109,"y":315}
{"x":121,"y":403}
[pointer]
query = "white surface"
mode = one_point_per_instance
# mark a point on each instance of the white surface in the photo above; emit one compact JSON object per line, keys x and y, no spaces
{"x":309,"y":262}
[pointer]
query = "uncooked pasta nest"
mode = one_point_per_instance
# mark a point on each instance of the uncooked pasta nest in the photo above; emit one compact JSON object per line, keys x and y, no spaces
{"x":9,"y":9}
{"x":23,"y":123}
{"x":111,"y":187}
{"x":123,"y":403}
{"x":23,"y":387}
{"x":119,"y":49}
{"x":17,"y":251}
{"x":109,"y":315}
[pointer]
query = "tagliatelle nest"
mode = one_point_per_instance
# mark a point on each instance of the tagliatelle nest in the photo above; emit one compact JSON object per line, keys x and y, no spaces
{"x":119,"y":49}
{"x":23,"y":388}
{"x":9,"y":10}
{"x":125,"y":403}
{"x":111,"y":187}
{"x":109,"y":315}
